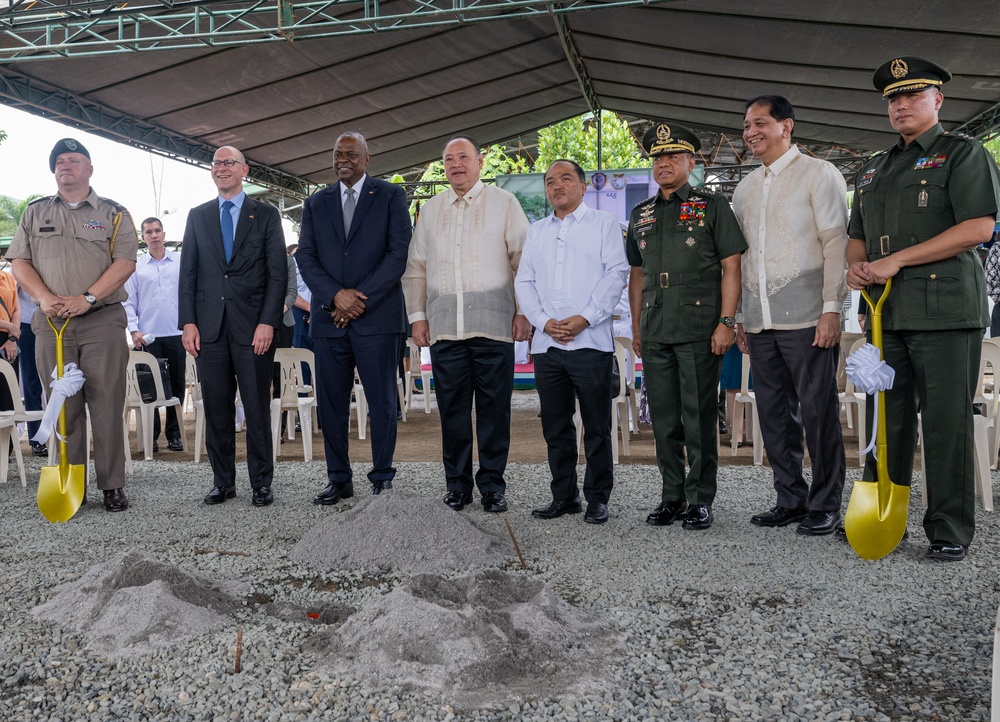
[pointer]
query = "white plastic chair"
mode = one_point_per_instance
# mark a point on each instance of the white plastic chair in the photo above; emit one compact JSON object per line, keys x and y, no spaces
{"x":361,"y":404}
{"x":746,"y":402}
{"x":8,"y":429}
{"x":630,"y":378}
{"x":144,"y":411}
{"x":991,"y":355}
{"x":425,"y":371}
{"x":851,"y":397}
{"x":292,"y":362}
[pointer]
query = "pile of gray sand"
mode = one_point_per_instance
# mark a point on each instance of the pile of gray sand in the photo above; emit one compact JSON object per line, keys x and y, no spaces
{"x":404,"y":532}
{"x":133,"y":604}
{"x":485,"y":638}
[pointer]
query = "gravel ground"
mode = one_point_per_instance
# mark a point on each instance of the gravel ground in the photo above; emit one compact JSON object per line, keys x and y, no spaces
{"x":734,"y":623}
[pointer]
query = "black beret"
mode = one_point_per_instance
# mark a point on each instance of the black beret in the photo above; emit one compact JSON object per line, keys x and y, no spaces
{"x":907,"y":74}
{"x":66,"y":145}
{"x":661,"y":139}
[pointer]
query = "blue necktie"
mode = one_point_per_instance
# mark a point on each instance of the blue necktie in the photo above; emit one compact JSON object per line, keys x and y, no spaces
{"x":348,"y":212}
{"x":227,"y":230}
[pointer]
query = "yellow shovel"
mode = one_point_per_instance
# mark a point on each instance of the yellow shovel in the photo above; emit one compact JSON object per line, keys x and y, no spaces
{"x":876,"y":514}
{"x":60,"y":488}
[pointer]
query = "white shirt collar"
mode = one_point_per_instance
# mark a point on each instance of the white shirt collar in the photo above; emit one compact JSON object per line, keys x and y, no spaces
{"x":357,"y":187}
{"x":784,"y":161}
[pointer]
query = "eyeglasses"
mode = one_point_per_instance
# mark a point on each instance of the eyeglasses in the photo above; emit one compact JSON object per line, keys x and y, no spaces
{"x":228,"y":162}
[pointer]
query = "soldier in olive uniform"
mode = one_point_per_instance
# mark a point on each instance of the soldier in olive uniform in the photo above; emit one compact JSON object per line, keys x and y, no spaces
{"x":73,"y":253}
{"x":684,"y":247}
{"x":920,"y":209}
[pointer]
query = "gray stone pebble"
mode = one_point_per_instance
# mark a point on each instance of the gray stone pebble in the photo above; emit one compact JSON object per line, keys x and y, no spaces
{"x":734,"y":623}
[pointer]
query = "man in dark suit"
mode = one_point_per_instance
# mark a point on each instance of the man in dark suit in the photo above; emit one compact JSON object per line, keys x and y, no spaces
{"x":231,"y":289}
{"x":352,"y":253}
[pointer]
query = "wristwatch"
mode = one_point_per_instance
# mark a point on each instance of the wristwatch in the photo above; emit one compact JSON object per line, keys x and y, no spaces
{"x":728,"y":321}
{"x":90,"y":298}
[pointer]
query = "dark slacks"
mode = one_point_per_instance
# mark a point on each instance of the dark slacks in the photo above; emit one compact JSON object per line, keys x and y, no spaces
{"x":682,"y":388}
{"x":561,"y":378}
{"x":30,"y":380}
{"x":376,"y":358}
{"x":796,"y":388}
{"x":172,"y":349}
{"x":484,"y":369}
{"x":936,"y":374}
{"x":97,"y":344}
{"x":222,"y":364}
{"x":301,"y":338}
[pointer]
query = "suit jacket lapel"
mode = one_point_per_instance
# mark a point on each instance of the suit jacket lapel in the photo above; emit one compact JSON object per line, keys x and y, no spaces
{"x":336,"y":208}
{"x":215,"y":229}
{"x":364,"y":203}
{"x":247,"y":213}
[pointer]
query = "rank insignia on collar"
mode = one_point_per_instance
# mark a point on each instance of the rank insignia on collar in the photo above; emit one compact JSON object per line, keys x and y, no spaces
{"x":931,"y":161}
{"x":692,"y":211}
{"x":93,"y":225}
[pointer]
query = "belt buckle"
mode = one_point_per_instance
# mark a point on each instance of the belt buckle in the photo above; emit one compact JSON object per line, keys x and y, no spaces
{"x":664,"y":280}
{"x":884,"y":244}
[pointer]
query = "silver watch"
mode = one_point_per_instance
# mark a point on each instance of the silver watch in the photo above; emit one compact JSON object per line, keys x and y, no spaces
{"x":90,"y":298}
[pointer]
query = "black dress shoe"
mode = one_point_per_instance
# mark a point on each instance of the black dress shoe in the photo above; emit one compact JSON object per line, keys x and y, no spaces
{"x":156,"y":446}
{"x":667,"y":513}
{"x":557,"y":508}
{"x":262,"y":496}
{"x":943,"y":551}
{"x":494,"y":502}
{"x":115,"y":500}
{"x":597,"y":513}
{"x":779,"y":516}
{"x":219,"y":494}
{"x":819,"y":523}
{"x":699,"y":516}
{"x":175,"y":445}
{"x":723,"y":428}
{"x":39,"y":449}
{"x":332,"y":493}
{"x":456,"y":500}
{"x":379,"y":486}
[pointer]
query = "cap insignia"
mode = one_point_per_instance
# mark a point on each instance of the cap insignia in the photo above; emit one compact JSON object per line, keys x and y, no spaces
{"x":663,"y":133}
{"x":899,"y":68}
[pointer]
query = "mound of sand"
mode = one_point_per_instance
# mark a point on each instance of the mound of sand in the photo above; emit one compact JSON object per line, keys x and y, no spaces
{"x":403,"y":532}
{"x":133,"y":604}
{"x":484,"y":637}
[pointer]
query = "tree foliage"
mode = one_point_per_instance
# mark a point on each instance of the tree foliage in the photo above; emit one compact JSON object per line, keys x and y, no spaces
{"x":993,"y":146}
{"x":11,"y":210}
{"x":576,"y":139}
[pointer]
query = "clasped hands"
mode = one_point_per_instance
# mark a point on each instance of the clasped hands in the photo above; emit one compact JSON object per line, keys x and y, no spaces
{"x":64,"y":306}
{"x":348,"y":305}
{"x":867,"y":273}
{"x":564,"y":331}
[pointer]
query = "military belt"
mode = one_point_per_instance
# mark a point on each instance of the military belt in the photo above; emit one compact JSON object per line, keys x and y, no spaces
{"x":686,"y":279}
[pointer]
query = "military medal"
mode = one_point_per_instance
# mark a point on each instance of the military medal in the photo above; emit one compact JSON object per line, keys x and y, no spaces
{"x":931,"y":161}
{"x":642,"y":244}
{"x":689,"y":243}
{"x":922,"y":199}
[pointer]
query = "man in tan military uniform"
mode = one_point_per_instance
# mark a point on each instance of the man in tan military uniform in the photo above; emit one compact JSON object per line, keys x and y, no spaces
{"x":73,"y":253}
{"x":920,"y":209}
{"x":684,"y":247}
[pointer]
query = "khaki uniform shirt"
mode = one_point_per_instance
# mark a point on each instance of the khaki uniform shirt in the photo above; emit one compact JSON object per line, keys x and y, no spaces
{"x":904,"y":196}
{"x":70,"y":248}
{"x":680,"y":244}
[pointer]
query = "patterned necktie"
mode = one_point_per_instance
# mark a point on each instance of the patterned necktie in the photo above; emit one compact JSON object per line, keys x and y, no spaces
{"x":227,"y":230}
{"x":348,"y":212}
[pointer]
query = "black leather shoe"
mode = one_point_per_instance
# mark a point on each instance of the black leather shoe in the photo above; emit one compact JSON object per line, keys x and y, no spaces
{"x":779,"y":516}
{"x":456,"y":500}
{"x":943,"y":551}
{"x":39,"y":449}
{"x":557,"y":508}
{"x":115,"y":500}
{"x":723,"y":428}
{"x":175,"y":445}
{"x":819,"y":523}
{"x":379,"y":486}
{"x":156,"y":446}
{"x":667,"y":513}
{"x":219,"y":494}
{"x":494,"y":502}
{"x":596,"y":513}
{"x":332,"y":493}
{"x":699,"y":516}
{"x":262,"y":496}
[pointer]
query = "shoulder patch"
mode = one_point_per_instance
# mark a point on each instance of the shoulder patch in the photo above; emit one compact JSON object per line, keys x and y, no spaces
{"x":115,"y":204}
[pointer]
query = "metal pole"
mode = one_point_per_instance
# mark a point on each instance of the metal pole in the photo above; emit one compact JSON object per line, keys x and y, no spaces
{"x":600,"y":141}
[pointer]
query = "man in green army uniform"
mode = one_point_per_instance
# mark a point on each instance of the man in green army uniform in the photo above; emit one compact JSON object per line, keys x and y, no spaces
{"x":684,"y":247}
{"x":920,"y":209}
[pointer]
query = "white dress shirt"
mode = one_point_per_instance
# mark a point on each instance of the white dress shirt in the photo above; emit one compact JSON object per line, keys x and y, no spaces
{"x":357,"y":191}
{"x":574,"y":266}
{"x":151,"y":305}
{"x":793,"y":214}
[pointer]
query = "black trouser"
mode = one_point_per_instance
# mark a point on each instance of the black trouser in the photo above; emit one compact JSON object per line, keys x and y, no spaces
{"x":170,"y":348}
{"x":562,"y":377}
{"x":483,"y":368}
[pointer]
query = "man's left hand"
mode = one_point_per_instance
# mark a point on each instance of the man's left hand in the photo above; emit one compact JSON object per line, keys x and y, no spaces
{"x":722,"y":338}
{"x":521,"y":328}
{"x":262,"y":337}
{"x":883,"y":269}
{"x":73,"y":306}
{"x":827,"y":331}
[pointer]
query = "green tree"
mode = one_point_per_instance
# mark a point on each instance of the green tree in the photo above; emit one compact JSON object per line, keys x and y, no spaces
{"x":11,"y":210}
{"x":576,"y":139}
{"x":993,"y":146}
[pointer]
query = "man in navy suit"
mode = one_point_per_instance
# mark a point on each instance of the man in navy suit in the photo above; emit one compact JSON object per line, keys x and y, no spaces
{"x":230,"y":295}
{"x":352,"y":253}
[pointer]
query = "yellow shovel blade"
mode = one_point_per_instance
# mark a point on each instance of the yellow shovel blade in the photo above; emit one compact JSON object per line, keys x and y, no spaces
{"x":874,"y":529}
{"x":60,"y":499}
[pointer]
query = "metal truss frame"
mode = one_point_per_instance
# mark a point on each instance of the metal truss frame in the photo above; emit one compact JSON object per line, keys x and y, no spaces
{"x":48,"y":29}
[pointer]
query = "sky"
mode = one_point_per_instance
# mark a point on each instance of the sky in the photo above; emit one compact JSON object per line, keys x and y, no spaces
{"x":145,"y":183}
